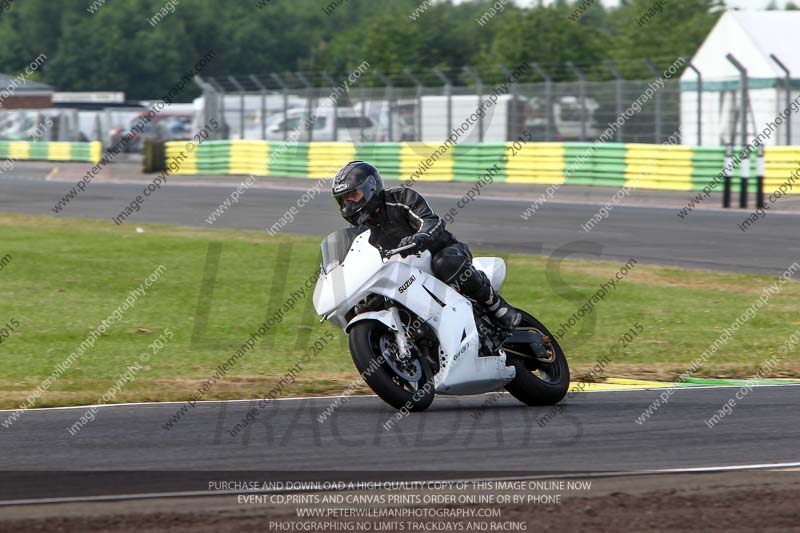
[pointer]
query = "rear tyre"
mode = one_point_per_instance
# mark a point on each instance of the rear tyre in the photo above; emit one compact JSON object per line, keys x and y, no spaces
{"x":370,"y":340}
{"x":536,"y":382}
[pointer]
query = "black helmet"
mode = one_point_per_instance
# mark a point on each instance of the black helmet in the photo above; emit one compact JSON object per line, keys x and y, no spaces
{"x":360,"y":176}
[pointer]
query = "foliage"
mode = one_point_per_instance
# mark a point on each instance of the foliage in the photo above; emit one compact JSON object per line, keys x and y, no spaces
{"x":116,"y":48}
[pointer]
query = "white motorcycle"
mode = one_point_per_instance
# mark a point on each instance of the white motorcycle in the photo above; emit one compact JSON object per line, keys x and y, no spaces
{"x":412,"y":336}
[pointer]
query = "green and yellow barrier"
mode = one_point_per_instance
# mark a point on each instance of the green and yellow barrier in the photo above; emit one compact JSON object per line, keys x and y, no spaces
{"x":51,"y":151}
{"x":655,"y":166}
{"x":325,"y":158}
{"x":645,"y":166}
{"x":542,"y":163}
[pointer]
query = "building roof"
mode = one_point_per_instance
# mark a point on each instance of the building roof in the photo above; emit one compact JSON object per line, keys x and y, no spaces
{"x":24,"y":86}
{"x":750,"y":36}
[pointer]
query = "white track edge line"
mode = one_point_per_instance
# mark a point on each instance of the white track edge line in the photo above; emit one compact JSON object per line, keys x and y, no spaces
{"x":297,"y":398}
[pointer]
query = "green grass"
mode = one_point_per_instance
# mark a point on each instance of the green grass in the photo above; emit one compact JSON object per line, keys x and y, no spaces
{"x":65,"y":277}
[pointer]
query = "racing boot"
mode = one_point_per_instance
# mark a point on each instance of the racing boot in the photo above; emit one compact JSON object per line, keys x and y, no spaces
{"x":504,"y":314}
{"x":478,"y":287}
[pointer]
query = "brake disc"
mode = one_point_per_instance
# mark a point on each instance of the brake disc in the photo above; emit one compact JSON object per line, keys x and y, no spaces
{"x":409,"y":369}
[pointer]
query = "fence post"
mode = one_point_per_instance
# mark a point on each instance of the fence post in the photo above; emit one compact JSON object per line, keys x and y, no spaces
{"x":240,"y":89}
{"x":363,"y":92}
{"x":66,"y":122}
{"x":332,"y":82}
{"x":285,"y":89}
{"x":310,"y":118}
{"x":657,"y":76}
{"x":787,"y":86}
{"x":727,"y":170}
{"x":745,"y":165}
{"x":108,"y":118}
{"x":200,"y":82}
{"x":225,"y":133}
{"x":59,"y":127}
{"x":209,"y":101}
{"x":699,"y":101}
{"x":744,"y":87}
{"x":618,"y":76}
{"x":263,"y":91}
{"x":760,"y":177}
{"x":581,"y":94}
{"x":76,"y":121}
{"x":389,"y":92}
{"x":418,"y":114}
{"x":548,"y":97}
{"x":448,"y":91}
{"x":479,"y":88}
{"x":513,"y":131}
{"x":98,"y":127}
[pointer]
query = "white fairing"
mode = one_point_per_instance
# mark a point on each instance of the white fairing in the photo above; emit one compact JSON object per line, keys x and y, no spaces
{"x":409,"y":282}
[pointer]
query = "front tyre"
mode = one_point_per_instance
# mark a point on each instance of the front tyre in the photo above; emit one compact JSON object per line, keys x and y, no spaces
{"x":537,"y":382}
{"x":399,"y":383}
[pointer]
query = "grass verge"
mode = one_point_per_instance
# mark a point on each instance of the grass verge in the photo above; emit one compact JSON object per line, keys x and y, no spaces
{"x":63,"y":279}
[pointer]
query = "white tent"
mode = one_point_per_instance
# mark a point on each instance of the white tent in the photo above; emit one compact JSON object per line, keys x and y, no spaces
{"x":751,"y":37}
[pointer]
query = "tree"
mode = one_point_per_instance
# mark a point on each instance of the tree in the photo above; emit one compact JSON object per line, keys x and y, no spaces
{"x":115,"y":48}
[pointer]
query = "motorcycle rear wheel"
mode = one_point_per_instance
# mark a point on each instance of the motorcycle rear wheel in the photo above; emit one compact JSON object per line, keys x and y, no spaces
{"x":536,"y":382}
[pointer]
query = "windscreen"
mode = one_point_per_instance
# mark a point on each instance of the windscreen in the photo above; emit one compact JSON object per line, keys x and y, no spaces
{"x":336,"y":245}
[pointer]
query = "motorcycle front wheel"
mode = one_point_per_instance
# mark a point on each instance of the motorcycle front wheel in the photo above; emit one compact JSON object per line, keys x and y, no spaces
{"x":402,"y":383}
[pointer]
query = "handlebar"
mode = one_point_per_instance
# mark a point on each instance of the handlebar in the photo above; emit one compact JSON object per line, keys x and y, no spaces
{"x":389,"y":253}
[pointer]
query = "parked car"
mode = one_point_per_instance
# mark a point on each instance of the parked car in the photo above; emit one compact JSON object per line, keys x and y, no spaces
{"x":403,"y":117}
{"x":566,"y":124}
{"x":350,"y":126}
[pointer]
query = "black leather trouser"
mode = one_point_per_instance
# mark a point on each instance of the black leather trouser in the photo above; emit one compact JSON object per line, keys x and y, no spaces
{"x":453,"y":265}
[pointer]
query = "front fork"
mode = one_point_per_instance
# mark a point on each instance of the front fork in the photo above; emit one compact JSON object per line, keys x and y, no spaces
{"x":403,"y":348}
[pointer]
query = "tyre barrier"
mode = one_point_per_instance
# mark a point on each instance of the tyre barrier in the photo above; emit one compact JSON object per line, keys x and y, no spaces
{"x":51,"y":151}
{"x":646,"y":166}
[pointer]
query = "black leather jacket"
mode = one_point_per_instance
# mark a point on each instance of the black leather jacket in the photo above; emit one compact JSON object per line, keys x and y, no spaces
{"x":405,"y":212}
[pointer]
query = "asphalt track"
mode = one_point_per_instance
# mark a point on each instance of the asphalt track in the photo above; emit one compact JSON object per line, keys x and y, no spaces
{"x":707,"y":239}
{"x":595,"y":432}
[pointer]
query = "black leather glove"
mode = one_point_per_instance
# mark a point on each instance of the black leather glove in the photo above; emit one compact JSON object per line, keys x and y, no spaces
{"x":422,"y":240}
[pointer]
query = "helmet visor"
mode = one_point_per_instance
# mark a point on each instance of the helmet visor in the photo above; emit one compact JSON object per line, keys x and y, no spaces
{"x":354,"y":199}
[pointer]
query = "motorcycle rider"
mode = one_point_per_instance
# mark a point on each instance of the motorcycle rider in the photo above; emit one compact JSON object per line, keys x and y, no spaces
{"x":399,"y":216}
